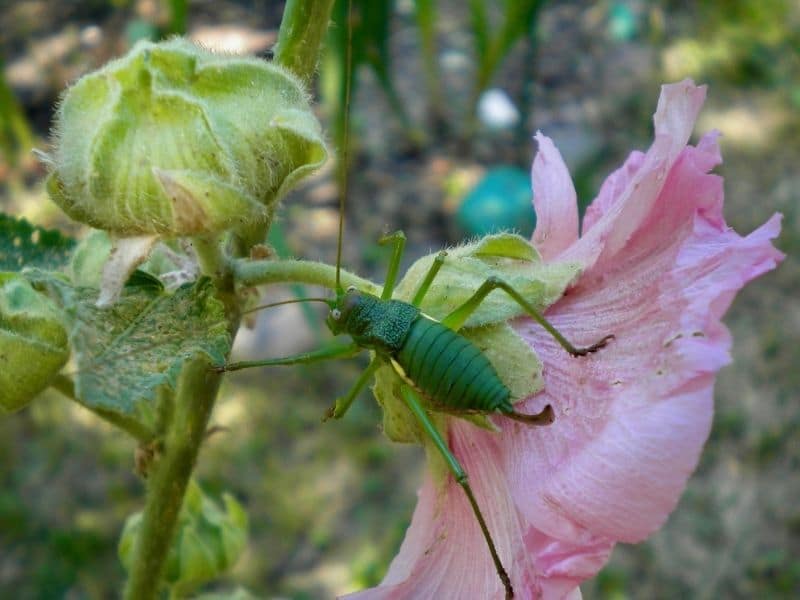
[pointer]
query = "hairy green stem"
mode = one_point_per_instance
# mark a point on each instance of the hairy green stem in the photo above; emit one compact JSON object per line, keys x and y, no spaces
{"x":260,"y":272}
{"x":196,"y":392}
{"x":303,"y":28}
{"x":211,"y":258}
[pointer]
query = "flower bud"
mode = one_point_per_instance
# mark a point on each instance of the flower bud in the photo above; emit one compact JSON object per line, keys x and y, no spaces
{"x":33,"y":342}
{"x":208,"y":541}
{"x":173,"y":139}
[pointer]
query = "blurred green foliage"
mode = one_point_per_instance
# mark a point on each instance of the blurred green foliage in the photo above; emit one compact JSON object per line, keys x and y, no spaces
{"x":369,"y":42}
{"x":366,"y":39}
{"x":16,"y":136}
{"x":745,"y":44}
{"x":519,"y":19}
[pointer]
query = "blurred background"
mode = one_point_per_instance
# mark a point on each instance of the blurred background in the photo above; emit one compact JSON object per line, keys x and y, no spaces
{"x":446,"y":98}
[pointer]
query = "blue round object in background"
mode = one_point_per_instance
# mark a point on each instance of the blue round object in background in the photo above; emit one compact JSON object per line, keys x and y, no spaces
{"x":501,"y":201}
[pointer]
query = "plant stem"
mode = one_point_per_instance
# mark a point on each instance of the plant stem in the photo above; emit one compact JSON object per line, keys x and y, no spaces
{"x":196,"y":391}
{"x":259,"y":272}
{"x":303,"y":28}
{"x":211,"y":259}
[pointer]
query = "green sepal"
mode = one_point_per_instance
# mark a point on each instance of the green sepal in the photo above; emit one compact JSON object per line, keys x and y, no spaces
{"x":504,"y":255}
{"x":25,"y":245}
{"x":201,"y":202}
{"x":399,"y":425}
{"x":33,"y":342}
{"x":126,"y":352}
{"x":209,"y":540}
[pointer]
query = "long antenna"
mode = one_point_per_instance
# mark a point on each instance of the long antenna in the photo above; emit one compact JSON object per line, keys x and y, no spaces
{"x":345,"y":143}
{"x":282,"y":302}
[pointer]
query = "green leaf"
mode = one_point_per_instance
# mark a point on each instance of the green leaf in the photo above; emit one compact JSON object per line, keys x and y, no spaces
{"x":25,"y":245}
{"x":126,"y":352}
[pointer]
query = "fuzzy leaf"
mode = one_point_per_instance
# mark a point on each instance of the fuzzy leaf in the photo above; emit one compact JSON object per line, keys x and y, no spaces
{"x":25,"y":245}
{"x":124,"y":353}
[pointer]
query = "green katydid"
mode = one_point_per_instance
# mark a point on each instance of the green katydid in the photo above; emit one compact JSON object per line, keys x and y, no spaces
{"x":440,"y":370}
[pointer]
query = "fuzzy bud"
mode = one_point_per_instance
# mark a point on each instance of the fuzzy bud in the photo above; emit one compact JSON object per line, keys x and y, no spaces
{"x":208,"y":541}
{"x":175,"y":140}
{"x":33,"y":342}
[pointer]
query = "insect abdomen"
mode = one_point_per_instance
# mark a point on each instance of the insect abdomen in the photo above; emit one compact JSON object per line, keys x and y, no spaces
{"x":451,"y":370}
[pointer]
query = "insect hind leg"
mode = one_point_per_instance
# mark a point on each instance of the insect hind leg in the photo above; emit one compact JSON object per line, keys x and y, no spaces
{"x":413,"y":402}
{"x":456,"y":319}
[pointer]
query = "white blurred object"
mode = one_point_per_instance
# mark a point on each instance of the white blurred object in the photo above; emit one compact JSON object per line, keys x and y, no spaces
{"x":233,"y":39}
{"x":496,"y":110}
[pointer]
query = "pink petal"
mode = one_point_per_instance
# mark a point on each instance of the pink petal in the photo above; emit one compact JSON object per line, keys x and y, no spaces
{"x":677,"y":110}
{"x":612,"y":189}
{"x":554,"y":200}
{"x":444,"y":555}
{"x":632,"y":419}
{"x":660,"y":269}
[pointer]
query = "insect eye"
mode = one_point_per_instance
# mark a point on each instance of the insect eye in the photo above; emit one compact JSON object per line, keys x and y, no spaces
{"x":336,"y":314}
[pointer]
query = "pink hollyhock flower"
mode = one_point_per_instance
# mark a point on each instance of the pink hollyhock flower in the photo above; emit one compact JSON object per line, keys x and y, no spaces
{"x":660,"y":268}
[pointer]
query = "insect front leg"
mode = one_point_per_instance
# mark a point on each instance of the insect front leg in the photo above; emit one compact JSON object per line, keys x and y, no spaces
{"x":343,"y":403}
{"x":327,"y":353}
{"x":415,"y":405}
{"x":398,"y":240}
{"x":456,"y":319}
{"x":438,"y":261}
